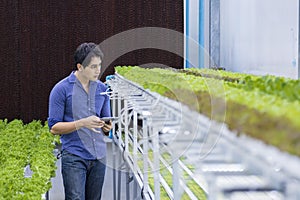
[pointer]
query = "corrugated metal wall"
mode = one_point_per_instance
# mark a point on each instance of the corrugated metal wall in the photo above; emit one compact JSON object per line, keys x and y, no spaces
{"x":38,"y":39}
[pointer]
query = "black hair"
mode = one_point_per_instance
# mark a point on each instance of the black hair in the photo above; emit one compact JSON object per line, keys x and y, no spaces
{"x":85,"y":52}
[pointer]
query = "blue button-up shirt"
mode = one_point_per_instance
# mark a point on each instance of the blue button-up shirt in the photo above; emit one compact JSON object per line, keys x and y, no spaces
{"x":68,"y":102}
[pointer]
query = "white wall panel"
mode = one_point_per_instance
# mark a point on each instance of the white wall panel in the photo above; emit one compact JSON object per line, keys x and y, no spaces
{"x":259,"y":36}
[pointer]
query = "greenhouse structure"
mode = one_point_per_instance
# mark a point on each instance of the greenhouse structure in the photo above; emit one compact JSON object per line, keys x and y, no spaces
{"x":203,"y":95}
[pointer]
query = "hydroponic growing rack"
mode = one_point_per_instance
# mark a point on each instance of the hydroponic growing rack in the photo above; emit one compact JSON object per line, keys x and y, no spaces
{"x":172,"y":152}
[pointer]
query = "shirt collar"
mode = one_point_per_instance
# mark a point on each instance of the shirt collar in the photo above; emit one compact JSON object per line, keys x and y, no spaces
{"x":72,"y":77}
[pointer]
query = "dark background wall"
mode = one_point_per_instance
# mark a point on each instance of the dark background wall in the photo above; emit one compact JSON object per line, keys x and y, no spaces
{"x":38,"y":39}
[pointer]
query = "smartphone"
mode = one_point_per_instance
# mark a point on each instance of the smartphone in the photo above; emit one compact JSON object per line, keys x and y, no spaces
{"x":107,"y":119}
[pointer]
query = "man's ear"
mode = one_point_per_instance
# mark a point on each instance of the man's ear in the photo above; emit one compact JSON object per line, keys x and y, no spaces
{"x":79,"y":67}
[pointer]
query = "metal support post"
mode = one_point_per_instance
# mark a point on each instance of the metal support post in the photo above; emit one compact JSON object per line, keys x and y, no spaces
{"x":156,"y":167}
{"x":119,"y":133}
{"x":114,"y":111}
{"x":126,"y":125}
{"x":145,"y":156}
{"x":176,"y":178}
{"x":127,"y":182}
{"x":135,"y":144}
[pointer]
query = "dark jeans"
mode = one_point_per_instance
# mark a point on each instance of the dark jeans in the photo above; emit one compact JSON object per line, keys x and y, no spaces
{"x":83,"y":179}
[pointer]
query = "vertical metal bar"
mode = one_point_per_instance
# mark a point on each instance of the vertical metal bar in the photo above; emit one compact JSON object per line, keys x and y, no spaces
{"x":127,"y":182}
{"x":120,"y":98}
{"x":156,"y":167}
{"x":119,"y":122}
{"x":145,"y":156}
{"x":114,"y":171}
{"x":187,"y":34}
{"x":201,"y":34}
{"x":135,"y":145}
{"x":126,"y":153}
{"x":206,"y":32}
{"x":214,"y":32}
{"x":135,"y":148}
{"x":114,"y":111}
{"x":126,"y":125}
{"x":119,"y":184}
{"x":175,"y":179}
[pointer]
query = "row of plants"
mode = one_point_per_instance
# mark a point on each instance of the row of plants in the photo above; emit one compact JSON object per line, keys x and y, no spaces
{"x":254,"y":105}
{"x":26,"y":158}
{"x":282,"y":87}
{"x":217,"y":74}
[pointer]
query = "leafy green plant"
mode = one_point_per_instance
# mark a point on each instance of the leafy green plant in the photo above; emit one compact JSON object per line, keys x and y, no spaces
{"x":282,"y":87}
{"x":25,"y":146}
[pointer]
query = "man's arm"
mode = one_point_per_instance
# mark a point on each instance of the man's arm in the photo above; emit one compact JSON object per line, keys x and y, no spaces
{"x":92,"y":122}
{"x":64,"y":127}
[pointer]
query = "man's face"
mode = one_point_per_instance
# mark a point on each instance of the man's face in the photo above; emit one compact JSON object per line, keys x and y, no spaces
{"x":92,"y":70}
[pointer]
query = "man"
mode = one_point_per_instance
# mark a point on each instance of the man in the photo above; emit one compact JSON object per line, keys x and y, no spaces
{"x":76,"y":106}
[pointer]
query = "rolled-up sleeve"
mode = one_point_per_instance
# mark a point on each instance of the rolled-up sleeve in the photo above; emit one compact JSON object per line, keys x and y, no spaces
{"x":56,"y":106}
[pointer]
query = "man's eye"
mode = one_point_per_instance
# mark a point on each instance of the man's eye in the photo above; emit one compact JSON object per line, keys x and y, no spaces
{"x":95,"y":66}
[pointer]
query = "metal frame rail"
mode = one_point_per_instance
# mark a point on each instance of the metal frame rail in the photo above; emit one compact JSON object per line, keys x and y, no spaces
{"x":160,"y":138}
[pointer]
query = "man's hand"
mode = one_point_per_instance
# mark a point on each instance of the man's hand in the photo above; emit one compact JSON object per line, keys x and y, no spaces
{"x":107,"y":127}
{"x":93,"y":123}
